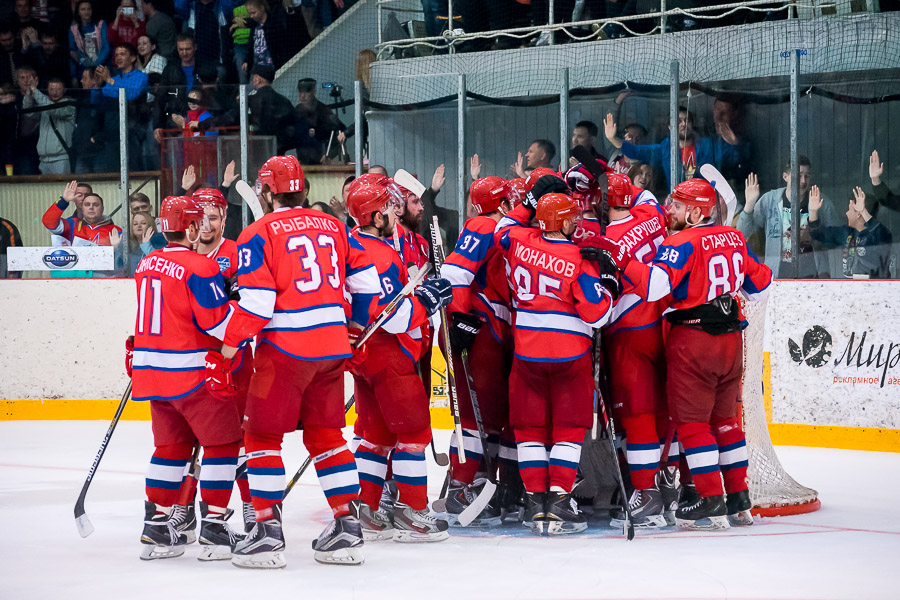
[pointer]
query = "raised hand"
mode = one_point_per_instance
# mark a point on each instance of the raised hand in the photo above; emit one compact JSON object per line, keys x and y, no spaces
{"x":474,"y":167}
{"x":517,"y":168}
{"x":230,"y":174}
{"x":751,"y":192}
{"x":114,"y":237}
{"x":727,"y":133}
{"x":876,"y":168}
{"x":815,"y":201}
{"x":69,"y":192}
{"x":438,"y":179}
{"x":337,"y":205}
{"x":146,"y":236}
{"x":610,"y":129}
{"x":859,"y":199}
{"x":188,"y":179}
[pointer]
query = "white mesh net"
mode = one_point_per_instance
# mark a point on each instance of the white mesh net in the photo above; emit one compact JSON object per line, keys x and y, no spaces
{"x":772,"y":490}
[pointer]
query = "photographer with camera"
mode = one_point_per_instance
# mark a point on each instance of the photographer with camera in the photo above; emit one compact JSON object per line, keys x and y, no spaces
{"x":323,"y":124}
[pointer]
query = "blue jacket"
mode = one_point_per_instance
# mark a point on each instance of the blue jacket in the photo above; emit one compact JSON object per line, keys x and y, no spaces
{"x":709,"y":150}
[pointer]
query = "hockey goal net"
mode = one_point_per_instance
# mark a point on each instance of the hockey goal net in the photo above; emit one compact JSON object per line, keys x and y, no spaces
{"x":772,"y":491}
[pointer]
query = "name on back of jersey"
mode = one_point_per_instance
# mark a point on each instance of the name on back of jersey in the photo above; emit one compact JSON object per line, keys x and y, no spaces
{"x":640,"y":232}
{"x":542,"y":260}
{"x":161,"y":265}
{"x":301,"y":223}
{"x":727,"y":239}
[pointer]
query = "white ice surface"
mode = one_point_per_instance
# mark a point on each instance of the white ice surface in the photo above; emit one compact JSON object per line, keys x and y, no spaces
{"x":849,"y":549}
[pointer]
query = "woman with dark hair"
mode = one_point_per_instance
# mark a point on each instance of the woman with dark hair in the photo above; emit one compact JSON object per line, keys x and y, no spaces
{"x":128,"y":25}
{"x":88,"y":45}
{"x":149,"y":60}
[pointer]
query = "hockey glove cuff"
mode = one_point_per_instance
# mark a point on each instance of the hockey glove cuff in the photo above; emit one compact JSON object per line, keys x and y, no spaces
{"x":434,"y":294}
{"x":463,"y":329}
{"x":591,"y":246}
{"x":219,"y":380}
{"x":548,"y":184}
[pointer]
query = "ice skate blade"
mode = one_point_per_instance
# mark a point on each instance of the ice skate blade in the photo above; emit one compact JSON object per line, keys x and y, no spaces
{"x":214,"y":552}
{"x":705,"y":524}
{"x":652,"y":522}
{"x":537,"y":527}
{"x":262,"y":560}
{"x":439,"y":505}
{"x":154,"y":552}
{"x":741,"y":519}
{"x":564,"y":528}
{"x":403,"y":536}
{"x":191,"y":536}
{"x":453,"y":521}
{"x":344,"y":556}
{"x":670,"y":518}
{"x":371,"y":535}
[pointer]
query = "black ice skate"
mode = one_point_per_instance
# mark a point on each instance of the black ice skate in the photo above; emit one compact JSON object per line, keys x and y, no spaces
{"x":738,"y":506}
{"x":376,"y":524}
{"x":340,"y":543}
{"x":510,"y":498}
{"x":389,"y":496}
{"x":535,"y":516}
{"x":461,"y":495}
{"x":563,"y":516}
{"x":665,"y":481}
{"x":647,"y":510}
{"x":249,"y":515}
{"x":263,"y":548}
{"x":184,"y":517}
{"x":688,"y":495}
{"x":411,"y":526}
{"x":217,"y":539}
{"x":160,"y":537}
{"x":707,"y":513}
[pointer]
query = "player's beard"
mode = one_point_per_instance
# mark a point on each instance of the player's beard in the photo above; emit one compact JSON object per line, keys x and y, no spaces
{"x":410,"y":222}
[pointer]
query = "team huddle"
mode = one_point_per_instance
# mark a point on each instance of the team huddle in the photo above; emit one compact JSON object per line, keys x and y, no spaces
{"x":570,"y":294}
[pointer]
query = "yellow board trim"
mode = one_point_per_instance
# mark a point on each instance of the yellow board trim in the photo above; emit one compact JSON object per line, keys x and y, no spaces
{"x":786,"y":434}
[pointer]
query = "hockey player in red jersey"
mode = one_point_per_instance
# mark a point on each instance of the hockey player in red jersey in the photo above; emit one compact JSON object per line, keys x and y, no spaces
{"x":391,"y":401}
{"x":558,"y":298}
{"x":479,"y":325}
{"x":294,"y":266}
{"x":703,"y":266}
{"x":633,"y":347}
{"x":91,"y":229}
{"x":224,"y":251}
{"x":182,"y":309}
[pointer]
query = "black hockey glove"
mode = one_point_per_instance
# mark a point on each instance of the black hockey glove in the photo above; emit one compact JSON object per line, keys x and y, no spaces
{"x":463,"y":329}
{"x":434,"y":294}
{"x":548,"y":184}
{"x":606,"y":266}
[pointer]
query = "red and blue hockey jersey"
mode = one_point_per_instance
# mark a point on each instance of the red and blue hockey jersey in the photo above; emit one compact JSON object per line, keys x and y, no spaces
{"x":72,"y":227}
{"x":699,"y":264}
{"x":557,"y":297}
{"x":294,"y":265}
{"x":409,"y":317}
{"x":182,"y":310}
{"x":225,"y":255}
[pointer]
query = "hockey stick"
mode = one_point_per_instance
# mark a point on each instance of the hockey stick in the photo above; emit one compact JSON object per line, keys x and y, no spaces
{"x":308,"y":460}
{"x":85,"y":528}
{"x":438,"y":248}
{"x":490,"y":487}
{"x":405,"y":179}
{"x":718,"y":181}
{"x":440,"y":458}
{"x":249,"y":196}
{"x":411,"y":285}
{"x":611,"y":435}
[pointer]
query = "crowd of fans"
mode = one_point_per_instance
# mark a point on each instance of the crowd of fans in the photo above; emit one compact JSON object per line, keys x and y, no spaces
{"x":62,"y":64}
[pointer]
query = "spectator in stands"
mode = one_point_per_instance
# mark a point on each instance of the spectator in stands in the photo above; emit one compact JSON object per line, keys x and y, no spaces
{"x":323,"y":124}
{"x":270,"y":113}
{"x":584,"y":134}
{"x":138,"y":202}
{"x":87,"y":139}
{"x":205,"y":19}
{"x":49,"y":59}
{"x":865,"y":242}
{"x":377,"y":169}
{"x":127,"y":76}
{"x":269,"y":36}
{"x":539,"y":155}
{"x":10,"y":57}
{"x":88,"y":45}
{"x":240,"y":40}
{"x":221,"y":101}
{"x":198,"y":120}
{"x":721,"y":151}
{"x":161,"y":29}
{"x":92,"y":228}
{"x":635,"y":133}
{"x":177,"y":78}
{"x":134,"y":82}
{"x":143,"y":228}
{"x":9,"y":237}
{"x":728,"y":121}
{"x":647,"y":177}
{"x":772,"y":214}
{"x":57,"y":125}
{"x":128,"y":26}
{"x":26,"y":160}
{"x":882,"y":193}
{"x":25,"y":24}
{"x":150,"y":61}
{"x":339,"y":205}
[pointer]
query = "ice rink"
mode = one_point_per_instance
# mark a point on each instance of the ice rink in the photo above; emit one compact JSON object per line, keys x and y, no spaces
{"x":848,"y":549}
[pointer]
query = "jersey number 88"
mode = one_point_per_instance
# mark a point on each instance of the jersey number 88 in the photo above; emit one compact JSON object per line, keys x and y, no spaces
{"x":725,"y":277}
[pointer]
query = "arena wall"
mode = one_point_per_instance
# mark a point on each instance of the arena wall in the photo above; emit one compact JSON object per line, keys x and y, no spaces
{"x":832,"y":376}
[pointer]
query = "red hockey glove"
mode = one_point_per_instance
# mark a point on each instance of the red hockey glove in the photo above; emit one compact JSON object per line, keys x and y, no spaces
{"x":129,"y":354}
{"x":359,"y":353}
{"x":219,"y":380}
{"x":598,"y":243}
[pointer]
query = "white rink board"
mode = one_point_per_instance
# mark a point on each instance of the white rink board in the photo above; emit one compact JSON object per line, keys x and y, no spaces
{"x":846,"y":550}
{"x":826,"y":322}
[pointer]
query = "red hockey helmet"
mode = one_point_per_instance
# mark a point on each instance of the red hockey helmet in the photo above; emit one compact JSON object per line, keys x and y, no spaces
{"x":620,"y":192}
{"x":282,"y":174}
{"x":515,"y":191}
{"x":696,"y":193}
{"x":537,"y":174}
{"x":487,"y":193}
{"x":177,"y":213}
{"x":210,"y":197}
{"x":364,"y":200}
{"x":553,"y":209}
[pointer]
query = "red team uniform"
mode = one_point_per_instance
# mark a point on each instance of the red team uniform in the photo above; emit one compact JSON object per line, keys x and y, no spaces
{"x":72,"y":227}
{"x":704,"y":267}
